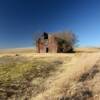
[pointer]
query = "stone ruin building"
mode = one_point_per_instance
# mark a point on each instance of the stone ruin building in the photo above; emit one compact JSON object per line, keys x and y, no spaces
{"x":50,"y":43}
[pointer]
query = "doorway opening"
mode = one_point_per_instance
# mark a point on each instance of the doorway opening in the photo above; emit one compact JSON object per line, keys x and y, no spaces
{"x":47,"y":50}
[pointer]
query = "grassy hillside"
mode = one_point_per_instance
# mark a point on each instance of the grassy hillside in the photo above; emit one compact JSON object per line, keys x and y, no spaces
{"x":25,"y":75}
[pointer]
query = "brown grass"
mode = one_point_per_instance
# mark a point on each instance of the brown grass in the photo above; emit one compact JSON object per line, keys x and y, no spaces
{"x":74,"y":82}
{"x":20,"y":77}
{"x":73,"y":76}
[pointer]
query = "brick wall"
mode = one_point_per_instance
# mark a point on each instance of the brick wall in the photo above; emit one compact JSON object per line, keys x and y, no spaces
{"x":49,"y":43}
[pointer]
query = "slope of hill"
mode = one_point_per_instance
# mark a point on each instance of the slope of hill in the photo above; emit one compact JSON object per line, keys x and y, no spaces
{"x":25,"y":75}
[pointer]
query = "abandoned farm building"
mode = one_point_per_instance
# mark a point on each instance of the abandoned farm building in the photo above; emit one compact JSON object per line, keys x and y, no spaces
{"x":50,"y":43}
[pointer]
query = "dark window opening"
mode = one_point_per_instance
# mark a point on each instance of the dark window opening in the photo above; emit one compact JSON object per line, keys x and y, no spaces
{"x":45,"y":35}
{"x":47,"y":50}
{"x":60,"y":50}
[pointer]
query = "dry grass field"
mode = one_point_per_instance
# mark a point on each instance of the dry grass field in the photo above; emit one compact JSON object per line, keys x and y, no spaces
{"x":26,"y":75}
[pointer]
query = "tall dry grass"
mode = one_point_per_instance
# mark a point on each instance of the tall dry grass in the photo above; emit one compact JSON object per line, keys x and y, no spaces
{"x":73,"y":76}
{"x":67,"y":85}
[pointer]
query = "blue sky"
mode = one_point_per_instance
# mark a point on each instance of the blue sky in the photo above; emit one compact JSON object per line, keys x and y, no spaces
{"x":22,"y":20}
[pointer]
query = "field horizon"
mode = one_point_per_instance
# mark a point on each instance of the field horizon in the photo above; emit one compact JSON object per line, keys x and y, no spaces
{"x":29,"y":50}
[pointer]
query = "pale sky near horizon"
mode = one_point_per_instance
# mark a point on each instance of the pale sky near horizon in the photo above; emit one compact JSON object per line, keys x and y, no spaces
{"x":22,"y":20}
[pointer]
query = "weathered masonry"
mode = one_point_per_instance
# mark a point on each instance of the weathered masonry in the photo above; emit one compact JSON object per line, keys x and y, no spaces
{"x":50,"y":43}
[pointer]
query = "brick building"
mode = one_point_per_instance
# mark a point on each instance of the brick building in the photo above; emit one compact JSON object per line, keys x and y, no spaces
{"x":51,"y":43}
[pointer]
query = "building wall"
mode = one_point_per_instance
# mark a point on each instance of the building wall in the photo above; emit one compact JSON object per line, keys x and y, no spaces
{"x":52,"y":44}
{"x":49,"y":43}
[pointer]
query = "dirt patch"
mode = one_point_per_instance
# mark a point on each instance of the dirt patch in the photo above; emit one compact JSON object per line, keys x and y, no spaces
{"x":90,"y":74}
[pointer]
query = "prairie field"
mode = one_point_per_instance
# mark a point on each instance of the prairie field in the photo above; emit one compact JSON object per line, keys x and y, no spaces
{"x":27,"y":75}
